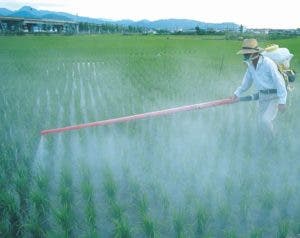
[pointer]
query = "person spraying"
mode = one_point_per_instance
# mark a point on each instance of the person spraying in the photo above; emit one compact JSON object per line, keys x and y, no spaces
{"x":268,"y":70}
{"x":269,"y":82}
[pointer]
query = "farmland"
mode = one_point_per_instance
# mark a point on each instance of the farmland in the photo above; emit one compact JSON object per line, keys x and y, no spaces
{"x":204,"y":173}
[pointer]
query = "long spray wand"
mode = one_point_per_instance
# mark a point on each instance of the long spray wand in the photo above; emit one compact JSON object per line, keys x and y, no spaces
{"x":143,"y":115}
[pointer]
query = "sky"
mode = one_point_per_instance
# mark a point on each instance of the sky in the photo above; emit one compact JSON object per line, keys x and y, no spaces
{"x":251,"y":13}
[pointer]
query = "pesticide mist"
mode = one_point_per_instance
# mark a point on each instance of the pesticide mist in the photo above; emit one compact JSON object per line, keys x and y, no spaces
{"x":203,"y":173}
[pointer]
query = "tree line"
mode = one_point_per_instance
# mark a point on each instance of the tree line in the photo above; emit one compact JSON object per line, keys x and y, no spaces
{"x":90,"y":28}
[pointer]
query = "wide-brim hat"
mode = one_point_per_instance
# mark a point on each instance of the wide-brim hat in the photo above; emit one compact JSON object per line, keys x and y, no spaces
{"x":250,"y":46}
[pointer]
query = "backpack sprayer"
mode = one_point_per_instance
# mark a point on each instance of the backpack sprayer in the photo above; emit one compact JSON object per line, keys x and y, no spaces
{"x":282,"y":58}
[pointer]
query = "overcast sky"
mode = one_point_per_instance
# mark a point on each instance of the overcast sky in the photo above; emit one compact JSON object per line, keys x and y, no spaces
{"x":250,"y":13}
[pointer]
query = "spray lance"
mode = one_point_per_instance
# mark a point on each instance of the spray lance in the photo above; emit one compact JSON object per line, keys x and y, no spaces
{"x":151,"y":114}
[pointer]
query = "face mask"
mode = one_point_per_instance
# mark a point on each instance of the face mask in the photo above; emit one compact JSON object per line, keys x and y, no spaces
{"x":246,"y":57}
{"x":249,"y":57}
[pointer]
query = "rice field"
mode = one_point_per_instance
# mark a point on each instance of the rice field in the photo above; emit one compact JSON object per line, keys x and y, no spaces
{"x":205,"y":173}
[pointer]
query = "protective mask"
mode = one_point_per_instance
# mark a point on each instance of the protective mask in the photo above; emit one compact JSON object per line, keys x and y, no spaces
{"x":246,"y":58}
{"x":249,"y":57}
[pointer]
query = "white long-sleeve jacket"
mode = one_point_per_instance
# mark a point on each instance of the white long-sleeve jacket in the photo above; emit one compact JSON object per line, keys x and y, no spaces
{"x":265,"y":76}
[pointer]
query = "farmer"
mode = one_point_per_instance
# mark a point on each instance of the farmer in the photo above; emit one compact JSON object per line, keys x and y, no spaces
{"x":268,"y":81}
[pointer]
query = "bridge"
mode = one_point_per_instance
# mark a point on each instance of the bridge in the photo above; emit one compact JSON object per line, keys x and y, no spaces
{"x":33,"y":25}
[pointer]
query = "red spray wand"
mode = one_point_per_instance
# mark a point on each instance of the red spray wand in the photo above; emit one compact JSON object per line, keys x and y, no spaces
{"x":143,"y":115}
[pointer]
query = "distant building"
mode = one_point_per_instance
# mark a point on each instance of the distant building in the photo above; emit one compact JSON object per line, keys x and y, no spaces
{"x":258,"y":31}
{"x":19,"y":25}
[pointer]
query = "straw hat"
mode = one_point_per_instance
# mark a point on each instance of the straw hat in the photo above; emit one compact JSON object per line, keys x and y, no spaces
{"x":249,"y":46}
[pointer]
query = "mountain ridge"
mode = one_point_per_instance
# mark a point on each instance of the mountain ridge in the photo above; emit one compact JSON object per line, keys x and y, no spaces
{"x":161,"y":24}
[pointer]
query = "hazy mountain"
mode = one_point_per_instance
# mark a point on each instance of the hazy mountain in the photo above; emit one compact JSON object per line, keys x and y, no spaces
{"x":26,"y":12}
{"x":5,"y":12}
{"x":164,"y":24}
{"x":178,"y":24}
{"x":174,"y":24}
{"x":29,"y":12}
{"x":56,"y":17}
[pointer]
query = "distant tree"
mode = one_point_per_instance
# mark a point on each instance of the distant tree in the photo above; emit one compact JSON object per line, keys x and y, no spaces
{"x":200,"y":31}
{"x":241,"y":29}
{"x":92,"y":28}
{"x":211,"y":31}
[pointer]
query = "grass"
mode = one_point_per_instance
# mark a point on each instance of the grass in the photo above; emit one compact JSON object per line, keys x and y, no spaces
{"x":202,"y":221}
{"x":140,"y":204}
{"x":64,"y":214}
{"x":10,"y":218}
{"x":283,"y":229}
{"x":178,"y":224}
{"x":87,"y":190}
{"x":38,"y":221}
{"x":201,"y":173}
{"x":121,"y":227}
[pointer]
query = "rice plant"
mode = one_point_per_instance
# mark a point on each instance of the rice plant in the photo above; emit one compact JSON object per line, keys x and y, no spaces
{"x":121,"y":227}
{"x":283,"y":229}
{"x":230,"y":234}
{"x":64,"y":214}
{"x":141,"y":204}
{"x":202,"y":221}
{"x":10,"y":216}
{"x":38,"y":222}
{"x":88,"y":196}
{"x":179,"y":224}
